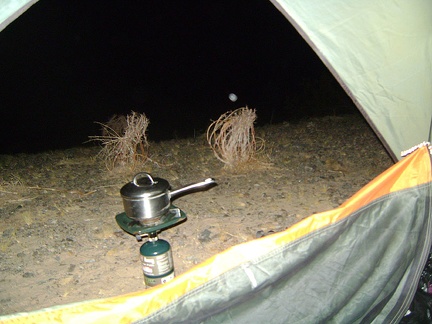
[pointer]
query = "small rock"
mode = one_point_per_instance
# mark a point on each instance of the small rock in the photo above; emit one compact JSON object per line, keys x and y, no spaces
{"x":309,"y":168}
{"x":28,"y":275}
{"x":204,"y":236}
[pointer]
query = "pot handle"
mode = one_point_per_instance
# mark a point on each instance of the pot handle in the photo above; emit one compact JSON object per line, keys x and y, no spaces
{"x":142,"y":175}
{"x":192,"y":188}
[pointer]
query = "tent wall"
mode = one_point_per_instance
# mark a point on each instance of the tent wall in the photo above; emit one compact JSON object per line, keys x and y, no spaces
{"x":381,"y":53}
{"x":359,"y":263}
{"x":11,"y":9}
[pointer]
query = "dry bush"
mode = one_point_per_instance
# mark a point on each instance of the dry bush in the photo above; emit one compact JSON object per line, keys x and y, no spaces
{"x":232,"y":137}
{"x":116,"y":125}
{"x":124,"y":140}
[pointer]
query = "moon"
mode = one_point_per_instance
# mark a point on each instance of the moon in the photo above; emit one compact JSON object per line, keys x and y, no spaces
{"x":232,"y":97}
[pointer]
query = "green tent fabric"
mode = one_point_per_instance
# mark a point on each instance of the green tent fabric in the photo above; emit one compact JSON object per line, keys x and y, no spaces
{"x":381,"y":53}
{"x":359,"y":263}
{"x":11,"y":9}
{"x":362,"y":269}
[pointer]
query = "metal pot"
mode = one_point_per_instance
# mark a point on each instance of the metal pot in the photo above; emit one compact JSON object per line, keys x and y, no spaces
{"x":146,"y":199}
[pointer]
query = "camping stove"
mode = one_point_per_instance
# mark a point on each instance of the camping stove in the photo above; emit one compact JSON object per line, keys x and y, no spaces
{"x":172,"y":217}
{"x":148,"y":211}
{"x":147,"y":204}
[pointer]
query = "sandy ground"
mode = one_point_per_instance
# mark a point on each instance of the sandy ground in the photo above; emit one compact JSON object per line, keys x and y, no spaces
{"x":59,"y":242}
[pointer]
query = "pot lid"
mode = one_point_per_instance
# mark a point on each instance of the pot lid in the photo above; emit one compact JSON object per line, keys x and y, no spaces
{"x":144,"y":185}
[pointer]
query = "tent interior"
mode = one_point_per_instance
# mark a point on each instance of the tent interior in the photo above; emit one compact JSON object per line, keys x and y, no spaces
{"x":380,"y":52}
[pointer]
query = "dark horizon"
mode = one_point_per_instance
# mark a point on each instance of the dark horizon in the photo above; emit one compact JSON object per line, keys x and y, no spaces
{"x":67,"y":65}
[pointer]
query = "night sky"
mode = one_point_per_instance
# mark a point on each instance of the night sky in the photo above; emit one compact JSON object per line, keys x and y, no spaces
{"x":66,"y":64}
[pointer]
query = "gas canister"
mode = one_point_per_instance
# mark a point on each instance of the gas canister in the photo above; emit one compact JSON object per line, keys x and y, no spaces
{"x":157,"y":261}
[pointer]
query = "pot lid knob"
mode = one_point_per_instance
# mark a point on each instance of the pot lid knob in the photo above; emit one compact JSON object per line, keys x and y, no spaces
{"x":140,"y":176}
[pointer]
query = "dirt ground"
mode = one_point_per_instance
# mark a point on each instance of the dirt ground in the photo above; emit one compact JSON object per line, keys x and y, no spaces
{"x":60,"y":243}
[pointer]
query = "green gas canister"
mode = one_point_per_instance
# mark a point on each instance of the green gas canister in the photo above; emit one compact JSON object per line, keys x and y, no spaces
{"x":157,"y":261}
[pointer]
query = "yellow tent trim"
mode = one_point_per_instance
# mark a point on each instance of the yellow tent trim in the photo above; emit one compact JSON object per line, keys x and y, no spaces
{"x":413,"y":170}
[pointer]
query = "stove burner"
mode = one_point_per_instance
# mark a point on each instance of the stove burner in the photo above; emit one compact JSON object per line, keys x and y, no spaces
{"x":136,"y":228}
